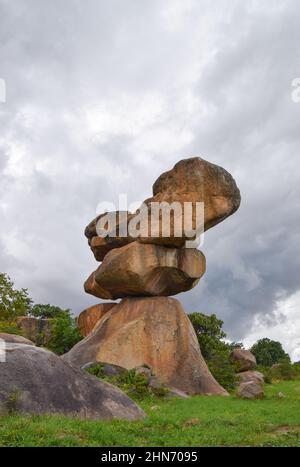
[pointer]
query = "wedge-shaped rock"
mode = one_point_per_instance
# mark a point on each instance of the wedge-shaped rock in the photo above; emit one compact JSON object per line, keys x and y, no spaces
{"x":36,"y":381}
{"x":146,"y":270}
{"x":89,"y":318}
{"x":149,"y":331}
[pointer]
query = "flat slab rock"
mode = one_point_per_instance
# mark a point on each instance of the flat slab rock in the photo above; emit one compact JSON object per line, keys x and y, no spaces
{"x":36,"y":381}
{"x":146,"y":270}
{"x":149,"y":331}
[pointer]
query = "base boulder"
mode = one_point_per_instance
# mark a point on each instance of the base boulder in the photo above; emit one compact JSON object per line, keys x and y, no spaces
{"x":153,"y":331}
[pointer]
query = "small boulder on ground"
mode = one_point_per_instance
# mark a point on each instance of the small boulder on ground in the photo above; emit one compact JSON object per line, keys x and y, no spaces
{"x":243,"y":360}
{"x":250,"y":390}
{"x":36,"y":381}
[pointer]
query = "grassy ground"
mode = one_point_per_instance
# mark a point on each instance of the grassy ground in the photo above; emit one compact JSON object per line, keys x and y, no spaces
{"x":198,"y":421}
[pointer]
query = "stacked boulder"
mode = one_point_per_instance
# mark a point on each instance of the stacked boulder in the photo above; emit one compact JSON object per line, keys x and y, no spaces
{"x":250,"y":382}
{"x":147,"y":326}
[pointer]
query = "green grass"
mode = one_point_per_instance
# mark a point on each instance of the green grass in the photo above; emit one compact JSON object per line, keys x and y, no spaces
{"x":198,"y":421}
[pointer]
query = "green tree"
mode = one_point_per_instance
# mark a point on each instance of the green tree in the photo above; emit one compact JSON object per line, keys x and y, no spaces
{"x":214,"y":349}
{"x":64,"y":331}
{"x":47,"y":311}
{"x":269,"y":352}
{"x":13,"y":303}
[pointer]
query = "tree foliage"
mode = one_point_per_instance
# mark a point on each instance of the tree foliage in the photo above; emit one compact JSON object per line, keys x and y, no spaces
{"x":214,"y":349}
{"x":13,"y":302}
{"x":269,"y":352}
{"x":65,"y":333}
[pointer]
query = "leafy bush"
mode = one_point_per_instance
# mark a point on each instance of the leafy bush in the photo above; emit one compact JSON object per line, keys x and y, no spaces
{"x":280,"y":372}
{"x":13,"y":302}
{"x":65,"y":333}
{"x":133,"y":384}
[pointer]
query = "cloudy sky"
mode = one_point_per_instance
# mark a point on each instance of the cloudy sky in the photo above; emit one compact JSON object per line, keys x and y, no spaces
{"x":104,"y":95}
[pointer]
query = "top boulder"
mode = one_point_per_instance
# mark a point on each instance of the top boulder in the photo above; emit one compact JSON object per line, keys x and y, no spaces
{"x":197,"y":180}
{"x":192,"y":181}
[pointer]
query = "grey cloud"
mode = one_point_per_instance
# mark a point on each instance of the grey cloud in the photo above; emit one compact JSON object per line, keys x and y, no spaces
{"x":222,"y":81}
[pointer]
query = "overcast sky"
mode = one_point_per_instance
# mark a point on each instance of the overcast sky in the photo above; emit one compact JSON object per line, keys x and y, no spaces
{"x":104,"y":95}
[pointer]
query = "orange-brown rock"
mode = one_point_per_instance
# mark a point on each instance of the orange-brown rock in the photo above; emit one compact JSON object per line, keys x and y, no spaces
{"x":146,"y":270}
{"x":196,"y":180}
{"x":90,"y":317}
{"x":192,"y":180}
{"x":153,"y":331}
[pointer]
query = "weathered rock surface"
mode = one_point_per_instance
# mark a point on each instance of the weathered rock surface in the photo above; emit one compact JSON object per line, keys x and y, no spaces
{"x":149,"y":331}
{"x":15,"y":339}
{"x":89,"y":318}
{"x":146,"y":270}
{"x":35,"y":329}
{"x":247,"y":376}
{"x":196,"y":180}
{"x":250,"y":390}
{"x":36,"y":381}
{"x":192,"y":180}
{"x":243,"y":359}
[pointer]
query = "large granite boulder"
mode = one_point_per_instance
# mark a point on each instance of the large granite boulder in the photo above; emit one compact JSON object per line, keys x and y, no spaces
{"x":243,"y":360}
{"x":149,"y":331}
{"x":89,"y":318}
{"x":146,"y":270}
{"x":15,"y":339}
{"x":36,"y":381}
{"x":36,"y":329}
{"x":192,"y":180}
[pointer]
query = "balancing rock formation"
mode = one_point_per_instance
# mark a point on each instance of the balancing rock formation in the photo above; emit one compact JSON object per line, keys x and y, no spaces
{"x":148,"y":327}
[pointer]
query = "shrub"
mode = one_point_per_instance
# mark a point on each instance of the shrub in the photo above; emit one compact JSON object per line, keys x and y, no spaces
{"x":223,"y":370}
{"x":135,"y":385}
{"x":65,"y":333}
{"x":13,"y":302}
